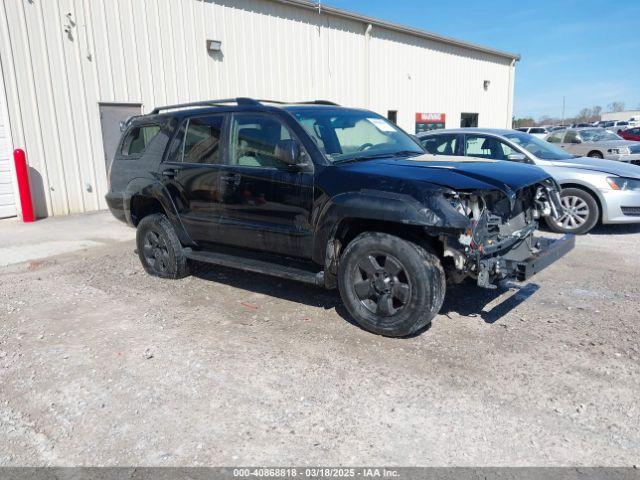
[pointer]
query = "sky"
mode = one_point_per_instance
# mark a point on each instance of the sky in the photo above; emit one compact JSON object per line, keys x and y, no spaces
{"x":585,"y":50}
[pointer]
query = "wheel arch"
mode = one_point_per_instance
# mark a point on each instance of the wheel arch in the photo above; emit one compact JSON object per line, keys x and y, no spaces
{"x":144,"y":197}
{"x":399,"y":214}
{"x":591,"y":191}
{"x":595,"y":150}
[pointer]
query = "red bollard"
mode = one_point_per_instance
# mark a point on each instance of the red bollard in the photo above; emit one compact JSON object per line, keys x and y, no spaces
{"x":22,"y":172}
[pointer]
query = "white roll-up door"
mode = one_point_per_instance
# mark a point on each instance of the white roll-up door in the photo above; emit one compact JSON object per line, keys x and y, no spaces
{"x":7,"y":197}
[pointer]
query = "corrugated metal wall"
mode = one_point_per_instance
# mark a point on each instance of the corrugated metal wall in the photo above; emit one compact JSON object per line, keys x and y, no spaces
{"x":7,"y":197}
{"x":61,"y":57}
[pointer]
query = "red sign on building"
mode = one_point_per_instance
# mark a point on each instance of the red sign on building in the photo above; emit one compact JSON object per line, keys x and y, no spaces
{"x":429,"y":121}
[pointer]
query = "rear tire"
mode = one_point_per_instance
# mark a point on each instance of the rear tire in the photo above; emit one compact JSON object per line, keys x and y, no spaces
{"x":390,"y":286}
{"x":595,"y":155}
{"x":159,"y":248}
{"x":583,"y":212}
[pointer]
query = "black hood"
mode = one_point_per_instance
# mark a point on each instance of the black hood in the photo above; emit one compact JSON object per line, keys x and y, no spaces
{"x":457,"y":173}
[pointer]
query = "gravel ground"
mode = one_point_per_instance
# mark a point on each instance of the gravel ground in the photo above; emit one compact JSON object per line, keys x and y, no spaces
{"x":101,"y":364}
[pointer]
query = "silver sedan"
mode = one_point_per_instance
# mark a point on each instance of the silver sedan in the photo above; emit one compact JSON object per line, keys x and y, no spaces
{"x":596,"y":143}
{"x":593,"y":189}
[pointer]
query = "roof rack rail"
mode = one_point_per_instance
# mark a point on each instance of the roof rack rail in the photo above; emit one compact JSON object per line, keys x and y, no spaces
{"x":306,"y":102}
{"x":208,"y":103}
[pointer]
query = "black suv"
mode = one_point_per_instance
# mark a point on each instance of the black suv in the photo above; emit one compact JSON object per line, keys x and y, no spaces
{"x":328,"y":195}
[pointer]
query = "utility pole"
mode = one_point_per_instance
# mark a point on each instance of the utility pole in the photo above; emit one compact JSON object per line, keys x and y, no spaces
{"x":563,"y":99}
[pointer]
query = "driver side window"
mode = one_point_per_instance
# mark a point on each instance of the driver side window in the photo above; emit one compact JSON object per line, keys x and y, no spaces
{"x":484,"y":147}
{"x":254,"y":138}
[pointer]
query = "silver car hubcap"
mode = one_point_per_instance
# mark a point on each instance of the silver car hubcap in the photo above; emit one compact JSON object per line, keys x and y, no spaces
{"x":576,"y":213}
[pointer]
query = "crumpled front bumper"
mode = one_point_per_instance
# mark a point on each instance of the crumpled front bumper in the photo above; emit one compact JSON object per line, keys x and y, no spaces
{"x":523,"y":261}
{"x":549,"y":251}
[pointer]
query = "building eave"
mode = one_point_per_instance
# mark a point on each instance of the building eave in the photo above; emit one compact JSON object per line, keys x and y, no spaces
{"x":338,"y":12}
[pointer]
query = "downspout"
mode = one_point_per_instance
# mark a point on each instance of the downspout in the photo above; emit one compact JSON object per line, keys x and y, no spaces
{"x":511,"y":93}
{"x":367,"y":66}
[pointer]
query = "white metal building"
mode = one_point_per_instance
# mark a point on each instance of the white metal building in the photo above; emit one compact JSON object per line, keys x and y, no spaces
{"x":623,"y":116}
{"x":71,"y":69}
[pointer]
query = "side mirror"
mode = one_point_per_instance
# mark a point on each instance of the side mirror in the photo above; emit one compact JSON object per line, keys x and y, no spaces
{"x":517,"y":157}
{"x":288,"y":152}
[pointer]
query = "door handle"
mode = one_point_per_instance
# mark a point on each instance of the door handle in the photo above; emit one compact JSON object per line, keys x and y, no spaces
{"x":169,"y":173}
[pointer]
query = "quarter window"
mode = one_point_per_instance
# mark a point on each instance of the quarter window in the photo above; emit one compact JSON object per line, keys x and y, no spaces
{"x":138,"y":139}
{"x":202,"y":140}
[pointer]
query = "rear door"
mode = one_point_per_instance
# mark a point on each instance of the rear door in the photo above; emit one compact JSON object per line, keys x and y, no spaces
{"x":267,"y":204}
{"x":191,"y":172}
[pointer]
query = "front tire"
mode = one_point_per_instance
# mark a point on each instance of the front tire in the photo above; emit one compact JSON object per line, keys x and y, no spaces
{"x":159,"y":248}
{"x":390,"y":286}
{"x":581,"y":212}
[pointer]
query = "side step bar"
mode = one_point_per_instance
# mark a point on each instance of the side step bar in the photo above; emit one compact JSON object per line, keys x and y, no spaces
{"x":257,"y":266}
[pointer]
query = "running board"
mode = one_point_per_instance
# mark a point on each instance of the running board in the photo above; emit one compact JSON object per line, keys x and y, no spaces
{"x":256,"y":266}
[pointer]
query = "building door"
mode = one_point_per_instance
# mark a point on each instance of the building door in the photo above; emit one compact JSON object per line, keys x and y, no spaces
{"x":7,"y":197}
{"x":111,"y":114}
{"x":468,"y":120}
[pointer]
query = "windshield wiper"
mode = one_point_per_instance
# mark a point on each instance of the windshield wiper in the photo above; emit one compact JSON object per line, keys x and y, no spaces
{"x":362,"y":158}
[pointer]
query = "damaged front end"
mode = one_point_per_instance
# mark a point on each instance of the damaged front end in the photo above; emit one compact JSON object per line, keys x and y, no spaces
{"x":499,"y":242}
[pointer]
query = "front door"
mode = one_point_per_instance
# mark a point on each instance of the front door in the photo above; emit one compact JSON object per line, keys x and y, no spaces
{"x":191,"y":172}
{"x":267,"y":204}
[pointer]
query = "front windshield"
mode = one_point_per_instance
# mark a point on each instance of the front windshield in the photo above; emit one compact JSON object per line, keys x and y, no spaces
{"x":343,"y":134}
{"x":597,"y":135}
{"x":539,"y":148}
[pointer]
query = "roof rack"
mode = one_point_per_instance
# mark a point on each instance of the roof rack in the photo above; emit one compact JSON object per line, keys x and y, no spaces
{"x":306,"y":102}
{"x":208,"y":103}
{"x":239,"y":101}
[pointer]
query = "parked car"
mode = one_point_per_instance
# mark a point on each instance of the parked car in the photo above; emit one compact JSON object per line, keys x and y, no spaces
{"x":592,"y":189}
{"x":539,"y":132}
{"x":614,"y":126}
{"x":632,"y":134}
{"x":580,"y":125}
{"x":330,"y":196}
{"x":596,"y":143}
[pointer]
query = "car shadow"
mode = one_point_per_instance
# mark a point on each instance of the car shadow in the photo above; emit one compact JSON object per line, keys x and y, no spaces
{"x":465,"y":299}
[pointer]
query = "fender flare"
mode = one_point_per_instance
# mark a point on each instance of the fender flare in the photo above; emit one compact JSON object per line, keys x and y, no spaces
{"x":436,"y":212}
{"x":153,"y":189}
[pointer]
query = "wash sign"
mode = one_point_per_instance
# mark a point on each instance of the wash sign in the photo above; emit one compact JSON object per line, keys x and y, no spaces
{"x":429,"y":121}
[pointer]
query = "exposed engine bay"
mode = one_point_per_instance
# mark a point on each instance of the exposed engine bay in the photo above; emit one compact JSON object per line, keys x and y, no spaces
{"x":500,"y":235}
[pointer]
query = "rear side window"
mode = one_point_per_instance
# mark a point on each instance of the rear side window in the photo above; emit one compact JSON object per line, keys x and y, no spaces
{"x":138,"y":139}
{"x":440,"y":144}
{"x":556,"y":137}
{"x":202,"y":140}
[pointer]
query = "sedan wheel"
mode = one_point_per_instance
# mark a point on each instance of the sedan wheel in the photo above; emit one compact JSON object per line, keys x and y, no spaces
{"x":580,"y":212}
{"x":576,"y":212}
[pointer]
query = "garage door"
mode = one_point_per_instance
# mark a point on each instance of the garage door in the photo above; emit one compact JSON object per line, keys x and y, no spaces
{"x":7,"y":198}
